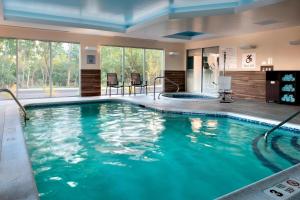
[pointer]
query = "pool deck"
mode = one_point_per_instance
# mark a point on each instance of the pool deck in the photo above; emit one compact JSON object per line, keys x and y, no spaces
{"x":15,"y":165}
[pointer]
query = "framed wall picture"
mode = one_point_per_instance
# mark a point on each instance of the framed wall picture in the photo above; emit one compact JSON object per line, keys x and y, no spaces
{"x":90,"y":59}
{"x":249,"y":60}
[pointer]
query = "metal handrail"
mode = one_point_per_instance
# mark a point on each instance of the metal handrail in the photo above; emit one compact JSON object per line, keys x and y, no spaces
{"x":279,"y":125}
{"x":168,"y":80}
{"x":17,"y":101}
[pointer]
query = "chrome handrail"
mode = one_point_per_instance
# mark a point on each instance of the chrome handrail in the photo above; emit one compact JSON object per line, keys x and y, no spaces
{"x":279,"y":125}
{"x":17,"y":101}
{"x":168,"y":80}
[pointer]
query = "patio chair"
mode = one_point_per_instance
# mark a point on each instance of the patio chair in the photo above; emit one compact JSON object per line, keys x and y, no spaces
{"x":225,"y":90}
{"x":136,"y":81}
{"x":112,"y":82}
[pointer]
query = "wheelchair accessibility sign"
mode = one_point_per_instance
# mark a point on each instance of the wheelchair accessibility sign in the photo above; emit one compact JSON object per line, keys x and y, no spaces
{"x":249,"y":60}
{"x":284,"y":190}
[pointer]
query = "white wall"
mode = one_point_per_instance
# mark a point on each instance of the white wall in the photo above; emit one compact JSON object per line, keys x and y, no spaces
{"x":270,"y":44}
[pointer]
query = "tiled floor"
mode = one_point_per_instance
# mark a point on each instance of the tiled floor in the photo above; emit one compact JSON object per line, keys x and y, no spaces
{"x":254,"y":108}
{"x":8,"y":108}
{"x":248,"y":107}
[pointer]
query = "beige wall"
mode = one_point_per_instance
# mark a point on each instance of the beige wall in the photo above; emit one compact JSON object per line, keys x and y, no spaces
{"x":271,"y":44}
{"x":174,"y":62}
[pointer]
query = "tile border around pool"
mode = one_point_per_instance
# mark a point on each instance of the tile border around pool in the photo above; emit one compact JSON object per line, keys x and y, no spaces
{"x":15,"y":164}
{"x":257,"y":187}
{"x":247,"y":118}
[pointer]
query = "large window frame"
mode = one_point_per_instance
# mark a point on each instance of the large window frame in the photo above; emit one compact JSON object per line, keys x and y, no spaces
{"x":50,"y":55}
{"x":121,"y":76}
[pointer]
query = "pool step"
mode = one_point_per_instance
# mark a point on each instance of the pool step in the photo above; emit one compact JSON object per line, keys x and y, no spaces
{"x":280,"y":152}
{"x":270,"y":154}
{"x":295,"y":144}
{"x":261,"y":157}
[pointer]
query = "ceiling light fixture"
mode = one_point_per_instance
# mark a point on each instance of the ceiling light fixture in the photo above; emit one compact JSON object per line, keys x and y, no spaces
{"x":173,"y":53}
{"x":295,"y":42}
{"x":248,"y":46}
{"x":90,"y":48}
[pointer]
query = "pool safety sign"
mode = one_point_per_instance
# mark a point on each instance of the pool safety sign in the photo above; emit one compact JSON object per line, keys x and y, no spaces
{"x":249,"y":60}
{"x":284,"y":190}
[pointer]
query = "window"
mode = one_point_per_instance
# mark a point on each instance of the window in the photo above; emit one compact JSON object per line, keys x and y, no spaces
{"x":123,"y":61}
{"x":33,"y":69}
{"x":133,"y":62}
{"x":65,"y":69}
{"x":8,"y":66}
{"x":111,"y":62}
{"x":36,"y":69}
{"x":154,"y":61}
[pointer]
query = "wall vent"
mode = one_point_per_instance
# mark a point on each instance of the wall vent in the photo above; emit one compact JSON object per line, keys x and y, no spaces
{"x":267,"y":22}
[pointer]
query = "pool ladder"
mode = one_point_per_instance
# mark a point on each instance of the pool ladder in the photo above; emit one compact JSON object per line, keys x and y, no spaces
{"x":17,"y":101}
{"x":168,"y":80}
{"x":266,"y":135}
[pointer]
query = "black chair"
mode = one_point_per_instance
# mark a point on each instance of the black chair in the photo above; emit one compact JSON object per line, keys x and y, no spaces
{"x":112,"y":82}
{"x":136,"y":81}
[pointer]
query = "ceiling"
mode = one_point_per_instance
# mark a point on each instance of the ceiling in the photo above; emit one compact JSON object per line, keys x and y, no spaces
{"x":152,"y":19}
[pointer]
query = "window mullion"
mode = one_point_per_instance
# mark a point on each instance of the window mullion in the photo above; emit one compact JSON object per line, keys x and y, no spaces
{"x":17,"y":68}
{"x":50,"y":70}
{"x":123,"y":64}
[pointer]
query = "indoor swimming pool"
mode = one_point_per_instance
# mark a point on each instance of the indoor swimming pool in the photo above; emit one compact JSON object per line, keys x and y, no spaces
{"x":115,"y":150}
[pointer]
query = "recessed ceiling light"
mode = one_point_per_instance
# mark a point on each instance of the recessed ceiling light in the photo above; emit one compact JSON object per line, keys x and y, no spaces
{"x":295,"y":42}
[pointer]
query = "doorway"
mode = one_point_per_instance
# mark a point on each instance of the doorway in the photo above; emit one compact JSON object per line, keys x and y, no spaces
{"x":202,"y":70}
{"x":210,"y":70}
{"x":194,"y":70}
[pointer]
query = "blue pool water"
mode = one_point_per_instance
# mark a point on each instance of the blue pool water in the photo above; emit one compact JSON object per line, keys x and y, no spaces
{"x":116,"y":151}
{"x":187,"y":96}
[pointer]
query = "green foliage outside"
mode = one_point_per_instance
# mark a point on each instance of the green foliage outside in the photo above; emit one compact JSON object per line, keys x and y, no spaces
{"x":154,"y":64}
{"x":65,"y":64}
{"x":8,"y":64}
{"x":111,"y":61}
{"x":134,"y":62}
{"x":34,"y":64}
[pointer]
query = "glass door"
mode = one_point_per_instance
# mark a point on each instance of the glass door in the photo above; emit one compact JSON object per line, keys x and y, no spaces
{"x":210,"y":70}
{"x":194,"y":70}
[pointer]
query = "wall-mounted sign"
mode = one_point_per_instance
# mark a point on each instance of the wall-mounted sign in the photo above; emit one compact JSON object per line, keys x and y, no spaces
{"x":249,"y":60}
{"x":90,"y":59}
{"x":231,"y":57}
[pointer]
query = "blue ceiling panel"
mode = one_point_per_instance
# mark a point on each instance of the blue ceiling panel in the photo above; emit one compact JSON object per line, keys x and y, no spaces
{"x":114,"y":15}
{"x":186,"y":35}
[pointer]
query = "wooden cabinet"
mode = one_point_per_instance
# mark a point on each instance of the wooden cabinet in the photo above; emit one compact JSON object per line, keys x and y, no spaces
{"x":283,"y":87}
{"x":90,"y":82}
{"x":272,"y":87}
{"x":272,"y":91}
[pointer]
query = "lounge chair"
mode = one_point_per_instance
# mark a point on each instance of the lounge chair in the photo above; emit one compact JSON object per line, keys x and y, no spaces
{"x":112,"y":82}
{"x":136,"y":81}
{"x":225,"y":90}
